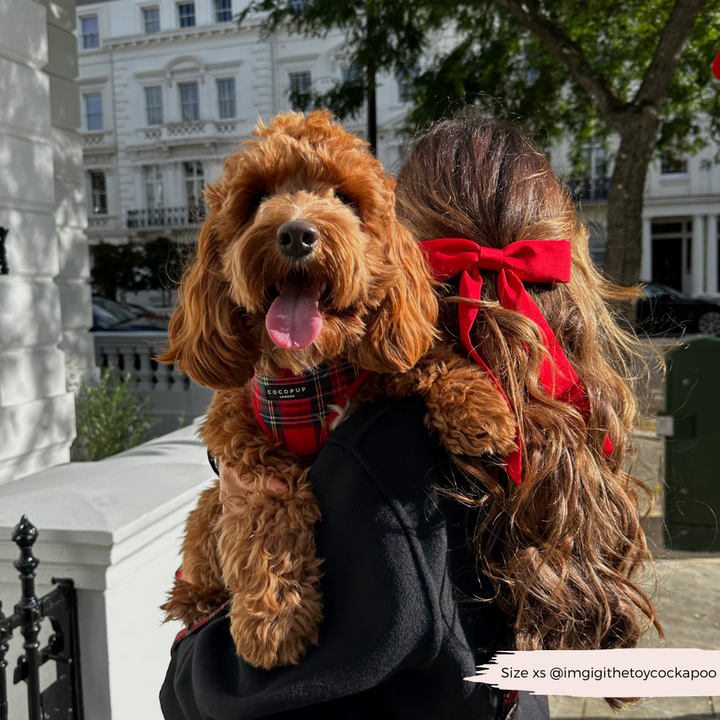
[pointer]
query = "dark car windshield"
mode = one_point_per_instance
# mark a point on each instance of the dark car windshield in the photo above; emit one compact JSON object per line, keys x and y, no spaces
{"x":657,"y":289}
{"x":119,"y":311}
{"x":103,"y":319}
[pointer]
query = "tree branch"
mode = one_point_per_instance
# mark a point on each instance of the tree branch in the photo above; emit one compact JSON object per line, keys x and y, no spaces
{"x":670,"y":47}
{"x":531,"y":16}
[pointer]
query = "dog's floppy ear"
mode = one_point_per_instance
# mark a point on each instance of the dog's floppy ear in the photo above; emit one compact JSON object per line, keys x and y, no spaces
{"x":208,"y":339}
{"x":402,"y":329}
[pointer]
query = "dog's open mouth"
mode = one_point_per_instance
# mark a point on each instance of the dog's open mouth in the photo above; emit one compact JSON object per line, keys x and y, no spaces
{"x":293,"y":320}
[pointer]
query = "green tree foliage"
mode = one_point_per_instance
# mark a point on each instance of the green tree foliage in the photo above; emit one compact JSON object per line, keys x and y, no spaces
{"x":632,"y":69}
{"x":163,"y":264}
{"x":383,"y":36}
{"x":116,"y":269}
{"x":110,"y":417}
{"x":131,"y":267}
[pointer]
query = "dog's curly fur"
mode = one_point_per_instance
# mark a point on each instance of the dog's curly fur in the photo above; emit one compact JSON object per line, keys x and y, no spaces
{"x":379,"y":313}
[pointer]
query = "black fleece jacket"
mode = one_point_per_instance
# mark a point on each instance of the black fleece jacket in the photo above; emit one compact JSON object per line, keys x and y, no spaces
{"x":398,"y":635}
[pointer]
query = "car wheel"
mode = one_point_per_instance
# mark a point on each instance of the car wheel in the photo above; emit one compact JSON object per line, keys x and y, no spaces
{"x":709,"y":323}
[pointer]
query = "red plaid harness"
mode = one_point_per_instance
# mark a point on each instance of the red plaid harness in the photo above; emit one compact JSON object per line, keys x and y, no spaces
{"x":298,"y":410}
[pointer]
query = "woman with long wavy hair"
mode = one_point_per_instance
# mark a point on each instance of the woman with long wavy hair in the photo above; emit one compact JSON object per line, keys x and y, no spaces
{"x":561,"y":539}
{"x":545,"y":544}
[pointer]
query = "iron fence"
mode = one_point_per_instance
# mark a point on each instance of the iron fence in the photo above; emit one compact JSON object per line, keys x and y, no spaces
{"x":61,"y":700}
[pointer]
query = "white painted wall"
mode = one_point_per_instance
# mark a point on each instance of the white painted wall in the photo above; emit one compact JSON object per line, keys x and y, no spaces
{"x":113,"y":526}
{"x":44,"y":313}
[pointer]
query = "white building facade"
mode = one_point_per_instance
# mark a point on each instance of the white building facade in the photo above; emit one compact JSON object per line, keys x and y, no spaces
{"x":44,"y":292}
{"x":168,"y":87}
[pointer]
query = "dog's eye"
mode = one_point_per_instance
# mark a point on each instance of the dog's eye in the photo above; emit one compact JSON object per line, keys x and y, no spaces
{"x":258,"y":199}
{"x":345,"y":200}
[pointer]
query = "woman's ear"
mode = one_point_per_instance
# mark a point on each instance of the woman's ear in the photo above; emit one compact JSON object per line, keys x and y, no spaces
{"x":208,"y":338}
{"x":402,"y":329}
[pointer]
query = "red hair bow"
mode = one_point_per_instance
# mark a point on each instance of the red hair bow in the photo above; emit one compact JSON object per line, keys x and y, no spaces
{"x":542,"y":261}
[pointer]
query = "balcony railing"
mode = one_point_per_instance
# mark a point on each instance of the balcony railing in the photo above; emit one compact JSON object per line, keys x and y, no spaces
{"x":596,"y":189}
{"x":102,"y":222}
{"x":177,"y":217}
{"x":103,"y":138}
{"x":195,"y":128}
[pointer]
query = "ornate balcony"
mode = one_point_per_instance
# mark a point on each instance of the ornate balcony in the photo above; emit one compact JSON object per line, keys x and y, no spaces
{"x":157,"y":218}
{"x":592,"y":189}
{"x":102,"y":222}
{"x":99,"y":139}
{"x":182,"y":131}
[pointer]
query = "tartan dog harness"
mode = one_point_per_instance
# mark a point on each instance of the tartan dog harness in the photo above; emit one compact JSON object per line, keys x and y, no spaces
{"x":297,"y":410}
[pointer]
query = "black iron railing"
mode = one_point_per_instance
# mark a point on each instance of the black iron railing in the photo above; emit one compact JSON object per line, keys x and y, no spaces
{"x":590,"y":189}
{"x":4,"y":269}
{"x":178,"y":217}
{"x":62,"y":700}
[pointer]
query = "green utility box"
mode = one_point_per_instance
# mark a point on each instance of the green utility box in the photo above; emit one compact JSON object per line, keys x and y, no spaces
{"x":692,"y":446}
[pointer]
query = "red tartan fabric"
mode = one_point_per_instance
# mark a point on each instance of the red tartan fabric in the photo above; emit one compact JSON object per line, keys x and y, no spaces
{"x":297,"y":410}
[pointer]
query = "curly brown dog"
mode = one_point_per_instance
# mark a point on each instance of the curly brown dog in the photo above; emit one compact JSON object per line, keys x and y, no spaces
{"x":301,"y":261}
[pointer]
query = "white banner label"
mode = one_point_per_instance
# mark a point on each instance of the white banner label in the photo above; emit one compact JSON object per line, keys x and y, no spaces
{"x":636,"y":672}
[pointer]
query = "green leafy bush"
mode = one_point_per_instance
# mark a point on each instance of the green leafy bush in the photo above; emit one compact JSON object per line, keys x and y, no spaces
{"x":110,"y":417}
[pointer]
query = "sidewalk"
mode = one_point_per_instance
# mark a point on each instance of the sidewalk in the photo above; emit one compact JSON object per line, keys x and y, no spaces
{"x":688,"y":605}
{"x":687,"y":599}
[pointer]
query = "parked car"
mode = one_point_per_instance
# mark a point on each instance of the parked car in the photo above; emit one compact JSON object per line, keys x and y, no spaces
{"x":109,"y":315}
{"x":141,"y":311}
{"x":662,"y":309}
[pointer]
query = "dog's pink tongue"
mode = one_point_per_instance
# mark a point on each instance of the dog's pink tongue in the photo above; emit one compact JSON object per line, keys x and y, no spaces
{"x":293,"y":320}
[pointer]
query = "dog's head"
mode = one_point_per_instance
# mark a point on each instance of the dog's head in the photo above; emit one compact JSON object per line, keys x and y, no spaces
{"x":301,"y":260}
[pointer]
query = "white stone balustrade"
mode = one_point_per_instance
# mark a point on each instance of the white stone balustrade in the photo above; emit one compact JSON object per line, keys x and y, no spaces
{"x":179,"y":132}
{"x":172,"y":394}
{"x":113,"y":526}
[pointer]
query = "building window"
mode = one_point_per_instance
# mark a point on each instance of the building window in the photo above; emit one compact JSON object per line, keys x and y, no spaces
{"x":154,"y":186}
{"x":405,"y":85}
{"x":93,"y":112}
{"x":591,"y":181}
{"x":90,"y":33}
{"x":151,"y":17}
{"x":594,"y":161}
{"x":154,"y":105}
{"x":187,"y":14}
{"x":673,"y":163}
{"x":194,"y":183}
{"x":297,"y":5}
{"x":226,"y":98}
{"x":98,"y":192}
{"x":300,"y":87}
{"x":223,"y":11}
{"x":189,"y":102}
{"x":350,"y":75}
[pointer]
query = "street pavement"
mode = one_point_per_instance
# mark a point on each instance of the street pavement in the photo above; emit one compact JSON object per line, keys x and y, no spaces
{"x":687,"y":601}
{"x":687,"y":596}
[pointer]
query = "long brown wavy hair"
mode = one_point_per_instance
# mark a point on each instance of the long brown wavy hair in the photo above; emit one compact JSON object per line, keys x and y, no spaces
{"x":564,"y":548}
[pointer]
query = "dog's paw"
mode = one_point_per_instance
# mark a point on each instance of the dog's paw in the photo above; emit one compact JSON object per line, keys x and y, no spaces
{"x":278,"y":628}
{"x":470,"y":416}
{"x":191,"y":604}
{"x":267,"y":551}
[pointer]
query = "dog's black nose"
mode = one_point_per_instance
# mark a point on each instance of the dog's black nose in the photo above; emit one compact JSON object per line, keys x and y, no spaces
{"x":297,"y":238}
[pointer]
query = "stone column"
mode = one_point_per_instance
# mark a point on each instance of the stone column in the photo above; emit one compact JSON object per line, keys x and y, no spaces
{"x":697,"y":281}
{"x":711,"y":282}
{"x":646,"y":258}
{"x":70,"y":194}
{"x":37,"y":418}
